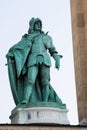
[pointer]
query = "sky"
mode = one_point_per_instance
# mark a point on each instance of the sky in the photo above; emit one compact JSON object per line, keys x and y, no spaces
{"x":56,"y":18}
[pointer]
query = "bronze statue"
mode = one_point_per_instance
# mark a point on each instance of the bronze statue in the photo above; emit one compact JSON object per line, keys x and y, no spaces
{"x":29,"y":66}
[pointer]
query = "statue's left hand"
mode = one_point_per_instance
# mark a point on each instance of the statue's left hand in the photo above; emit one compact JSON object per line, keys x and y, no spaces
{"x":57,"y":65}
{"x":57,"y":60}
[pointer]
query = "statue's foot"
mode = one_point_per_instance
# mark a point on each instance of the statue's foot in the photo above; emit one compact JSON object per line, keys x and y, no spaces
{"x":24,"y":102}
{"x":45,"y":100}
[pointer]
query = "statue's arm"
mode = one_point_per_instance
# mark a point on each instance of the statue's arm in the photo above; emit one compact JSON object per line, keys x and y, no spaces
{"x":57,"y":60}
{"x":10,"y":57}
{"x":53,"y":52}
{"x":55,"y":56}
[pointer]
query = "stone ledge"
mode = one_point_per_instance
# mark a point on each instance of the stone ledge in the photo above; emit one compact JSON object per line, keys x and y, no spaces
{"x":39,"y":115}
{"x":40,"y":127}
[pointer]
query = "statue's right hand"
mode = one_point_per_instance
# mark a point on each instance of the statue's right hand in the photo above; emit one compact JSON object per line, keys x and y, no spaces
{"x":9,"y":55}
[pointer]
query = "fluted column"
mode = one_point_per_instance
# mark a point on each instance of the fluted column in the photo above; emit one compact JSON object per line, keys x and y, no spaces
{"x":79,"y":36}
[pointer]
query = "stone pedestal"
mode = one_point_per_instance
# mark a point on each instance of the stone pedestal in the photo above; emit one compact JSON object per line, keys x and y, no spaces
{"x":39,"y":115}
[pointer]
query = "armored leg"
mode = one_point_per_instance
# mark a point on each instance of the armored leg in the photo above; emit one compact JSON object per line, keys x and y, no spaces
{"x":45,"y":78}
{"x":31,"y":77}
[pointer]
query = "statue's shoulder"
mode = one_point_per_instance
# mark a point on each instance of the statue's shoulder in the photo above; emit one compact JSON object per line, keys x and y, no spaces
{"x":47,"y":37}
{"x":24,"y":42}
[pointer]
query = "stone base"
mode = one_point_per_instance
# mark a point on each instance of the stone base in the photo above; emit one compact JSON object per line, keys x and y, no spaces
{"x":39,"y":115}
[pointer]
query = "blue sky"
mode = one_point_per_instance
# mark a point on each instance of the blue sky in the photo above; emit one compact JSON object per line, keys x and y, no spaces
{"x":56,"y":18}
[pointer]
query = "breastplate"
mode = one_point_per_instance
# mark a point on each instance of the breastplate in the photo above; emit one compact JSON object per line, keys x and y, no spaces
{"x":38,"y":46}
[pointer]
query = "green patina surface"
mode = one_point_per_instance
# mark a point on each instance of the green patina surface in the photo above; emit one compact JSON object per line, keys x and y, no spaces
{"x":29,"y":69}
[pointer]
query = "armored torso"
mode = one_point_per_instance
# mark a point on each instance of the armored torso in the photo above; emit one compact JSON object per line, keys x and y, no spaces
{"x":38,"y":51}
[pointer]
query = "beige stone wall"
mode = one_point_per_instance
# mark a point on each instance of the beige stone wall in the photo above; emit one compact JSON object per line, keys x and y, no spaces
{"x":79,"y":31}
{"x":27,"y":127}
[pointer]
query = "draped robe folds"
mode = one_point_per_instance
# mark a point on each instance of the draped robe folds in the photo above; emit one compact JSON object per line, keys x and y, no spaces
{"x":17,"y":70}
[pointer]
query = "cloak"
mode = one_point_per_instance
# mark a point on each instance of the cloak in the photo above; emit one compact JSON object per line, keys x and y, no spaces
{"x":17,"y":70}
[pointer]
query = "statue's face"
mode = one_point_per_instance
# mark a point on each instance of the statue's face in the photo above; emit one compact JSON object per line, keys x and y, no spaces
{"x":37,"y":26}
